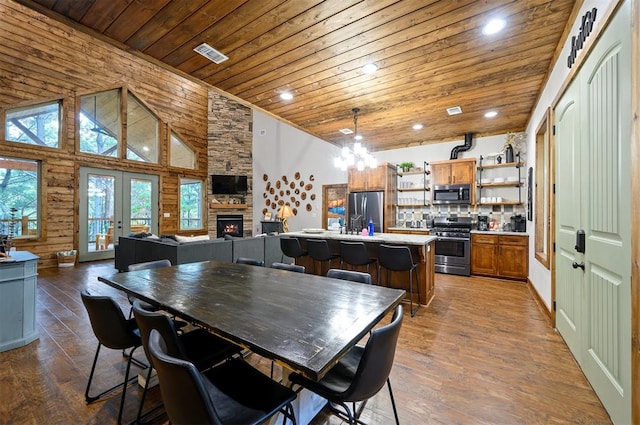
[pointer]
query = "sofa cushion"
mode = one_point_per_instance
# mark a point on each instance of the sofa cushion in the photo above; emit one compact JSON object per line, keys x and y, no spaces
{"x":185,"y":239}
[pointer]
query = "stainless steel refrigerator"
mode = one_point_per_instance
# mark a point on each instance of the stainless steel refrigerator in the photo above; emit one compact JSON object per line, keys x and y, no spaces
{"x":365,"y":205}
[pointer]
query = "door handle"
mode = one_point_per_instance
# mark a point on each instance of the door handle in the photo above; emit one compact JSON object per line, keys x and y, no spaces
{"x":576,"y":265}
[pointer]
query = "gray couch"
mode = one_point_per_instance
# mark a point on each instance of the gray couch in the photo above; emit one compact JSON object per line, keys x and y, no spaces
{"x":131,"y":250}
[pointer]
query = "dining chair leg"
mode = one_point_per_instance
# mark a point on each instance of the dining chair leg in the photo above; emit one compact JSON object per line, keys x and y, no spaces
{"x":393,"y":402}
{"x":144,"y":394}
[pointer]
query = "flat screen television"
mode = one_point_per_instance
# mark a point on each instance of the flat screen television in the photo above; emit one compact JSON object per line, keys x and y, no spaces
{"x":228,"y":185}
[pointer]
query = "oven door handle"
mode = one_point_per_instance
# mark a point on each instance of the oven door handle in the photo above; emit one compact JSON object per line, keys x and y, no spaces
{"x":446,"y":238}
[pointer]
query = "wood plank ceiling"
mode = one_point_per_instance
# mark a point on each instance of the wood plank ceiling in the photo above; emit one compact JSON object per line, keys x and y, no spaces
{"x":431,"y":55}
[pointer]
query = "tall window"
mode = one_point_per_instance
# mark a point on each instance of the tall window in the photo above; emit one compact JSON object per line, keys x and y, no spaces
{"x":142,"y":132}
{"x":35,"y":125}
{"x":191,"y":204}
{"x":19,"y":197}
{"x":181,"y":155}
{"x":100,"y":123}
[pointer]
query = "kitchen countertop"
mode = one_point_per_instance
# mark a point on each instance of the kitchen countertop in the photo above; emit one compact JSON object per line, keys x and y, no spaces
{"x":499,"y":232}
{"x":395,"y":238}
{"x":413,"y":229}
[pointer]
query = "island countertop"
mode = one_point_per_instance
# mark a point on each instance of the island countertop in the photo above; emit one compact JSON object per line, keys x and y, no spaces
{"x":392,"y":238}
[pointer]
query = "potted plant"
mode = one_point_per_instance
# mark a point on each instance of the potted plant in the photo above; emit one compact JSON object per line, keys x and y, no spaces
{"x":406,"y":166}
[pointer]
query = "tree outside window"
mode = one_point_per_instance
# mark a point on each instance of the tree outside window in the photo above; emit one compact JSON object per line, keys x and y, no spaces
{"x":191,"y":204}
{"x":34,"y":125}
{"x":19,"y":190}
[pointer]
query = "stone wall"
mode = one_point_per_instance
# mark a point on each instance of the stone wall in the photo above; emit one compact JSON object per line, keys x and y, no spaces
{"x":229,"y":138}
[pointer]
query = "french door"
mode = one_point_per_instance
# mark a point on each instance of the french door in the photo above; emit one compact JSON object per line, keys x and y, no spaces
{"x":593,"y":279}
{"x":114,"y":204}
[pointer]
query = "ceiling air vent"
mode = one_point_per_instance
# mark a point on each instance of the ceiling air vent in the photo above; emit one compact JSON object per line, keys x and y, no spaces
{"x":455,"y":110}
{"x":346,"y":131}
{"x":210,"y":53}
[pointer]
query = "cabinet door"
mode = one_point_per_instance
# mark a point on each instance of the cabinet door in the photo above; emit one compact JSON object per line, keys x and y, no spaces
{"x":462,"y":172}
{"x":441,"y":173}
{"x":513,"y":261}
{"x":483,"y":259}
{"x":356,"y":180}
{"x":376,"y":178}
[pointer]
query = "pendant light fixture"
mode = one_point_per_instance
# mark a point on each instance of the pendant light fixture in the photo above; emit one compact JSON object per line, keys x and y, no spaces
{"x":356,"y":155}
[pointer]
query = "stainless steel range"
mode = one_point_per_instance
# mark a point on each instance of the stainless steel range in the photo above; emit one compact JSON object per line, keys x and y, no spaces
{"x":453,"y":255}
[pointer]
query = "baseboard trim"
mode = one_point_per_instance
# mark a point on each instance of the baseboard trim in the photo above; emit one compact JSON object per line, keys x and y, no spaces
{"x":543,"y":308}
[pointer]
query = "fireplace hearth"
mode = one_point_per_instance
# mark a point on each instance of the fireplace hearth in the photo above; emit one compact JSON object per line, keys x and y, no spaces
{"x":231,"y":225}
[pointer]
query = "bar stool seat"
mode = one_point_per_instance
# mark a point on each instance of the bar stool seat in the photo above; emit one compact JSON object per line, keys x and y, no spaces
{"x":319,"y":251}
{"x":396,"y":258}
{"x":355,"y":254}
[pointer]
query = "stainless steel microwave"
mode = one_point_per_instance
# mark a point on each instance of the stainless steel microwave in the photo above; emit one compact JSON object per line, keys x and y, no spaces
{"x":452,"y":194}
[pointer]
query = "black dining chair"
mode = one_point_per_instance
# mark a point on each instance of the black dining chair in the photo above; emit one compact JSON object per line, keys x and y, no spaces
{"x":290,"y":267}
{"x":319,"y":251}
{"x":156,"y":264}
{"x":291,"y":247}
{"x":250,"y":261}
{"x":355,"y":254}
{"x":232,"y":393}
{"x":360,"y":374}
{"x":198,"y":346}
{"x":113,"y":331}
{"x":398,"y":258}
{"x":350,"y":275}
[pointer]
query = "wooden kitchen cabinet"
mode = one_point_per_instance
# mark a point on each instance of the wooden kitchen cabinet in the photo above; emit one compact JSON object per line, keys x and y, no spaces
{"x":504,"y":256}
{"x":367,"y":179}
{"x":455,"y":171}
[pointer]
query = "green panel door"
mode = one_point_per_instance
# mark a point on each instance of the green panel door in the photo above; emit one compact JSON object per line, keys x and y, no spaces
{"x":593,"y":125}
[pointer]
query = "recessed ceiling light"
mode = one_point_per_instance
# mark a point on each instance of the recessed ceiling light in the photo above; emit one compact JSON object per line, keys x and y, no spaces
{"x":454,"y":110}
{"x":494,"y":26}
{"x":418,"y":126}
{"x":346,"y":131}
{"x":286,"y":96}
{"x":491,"y":114}
{"x":369,"y":68}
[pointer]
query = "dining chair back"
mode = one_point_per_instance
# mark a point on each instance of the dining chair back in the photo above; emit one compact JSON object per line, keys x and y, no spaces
{"x":113,"y":331}
{"x":350,"y":275}
{"x":319,"y":251}
{"x":198,"y":346}
{"x":250,"y":261}
{"x":398,"y":258}
{"x":361,"y":373}
{"x":156,"y":264}
{"x":290,"y":267}
{"x":233,"y":392}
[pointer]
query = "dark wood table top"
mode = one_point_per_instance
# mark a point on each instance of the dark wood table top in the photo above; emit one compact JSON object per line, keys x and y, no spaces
{"x":305,"y":322}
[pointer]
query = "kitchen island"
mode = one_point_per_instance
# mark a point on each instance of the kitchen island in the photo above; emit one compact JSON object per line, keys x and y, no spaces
{"x":421,"y":246}
{"x":18,"y":287}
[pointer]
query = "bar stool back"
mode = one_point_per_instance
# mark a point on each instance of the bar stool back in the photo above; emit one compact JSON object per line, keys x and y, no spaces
{"x":397,"y":258}
{"x":291,"y":248}
{"x":319,"y":251}
{"x":355,"y":254}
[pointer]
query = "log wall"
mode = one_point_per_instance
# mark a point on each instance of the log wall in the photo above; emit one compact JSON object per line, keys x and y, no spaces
{"x":41,"y":59}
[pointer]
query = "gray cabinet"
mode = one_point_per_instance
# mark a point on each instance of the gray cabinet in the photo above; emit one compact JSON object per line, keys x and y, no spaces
{"x":18,"y":288}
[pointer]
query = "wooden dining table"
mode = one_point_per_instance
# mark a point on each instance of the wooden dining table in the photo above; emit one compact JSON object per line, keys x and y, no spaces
{"x":302,"y":321}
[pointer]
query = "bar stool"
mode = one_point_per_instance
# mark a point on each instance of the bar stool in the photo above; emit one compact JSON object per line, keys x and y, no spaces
{"x":291,"y":248}
{"x":355,"y":254}
{"x":398,"y":259}
{"x":319,"y":251}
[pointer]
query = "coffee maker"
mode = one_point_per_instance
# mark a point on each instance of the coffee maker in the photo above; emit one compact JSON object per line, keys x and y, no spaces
{"x":518,"y":223}
{"x":483,"y":222}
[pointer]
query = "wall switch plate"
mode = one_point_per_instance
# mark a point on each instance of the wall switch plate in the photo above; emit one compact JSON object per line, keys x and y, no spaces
{"x":166,"y":215}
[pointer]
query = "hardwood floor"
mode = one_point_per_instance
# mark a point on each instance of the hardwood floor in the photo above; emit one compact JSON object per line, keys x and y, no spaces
{"x":481,"y":353}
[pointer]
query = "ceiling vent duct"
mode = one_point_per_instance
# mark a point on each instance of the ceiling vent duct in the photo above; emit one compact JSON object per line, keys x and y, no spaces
{"x":461,"y":148}
{"x":210,"y":53}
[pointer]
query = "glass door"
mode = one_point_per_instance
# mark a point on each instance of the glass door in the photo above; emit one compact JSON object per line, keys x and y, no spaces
{"x":114,"y":204}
